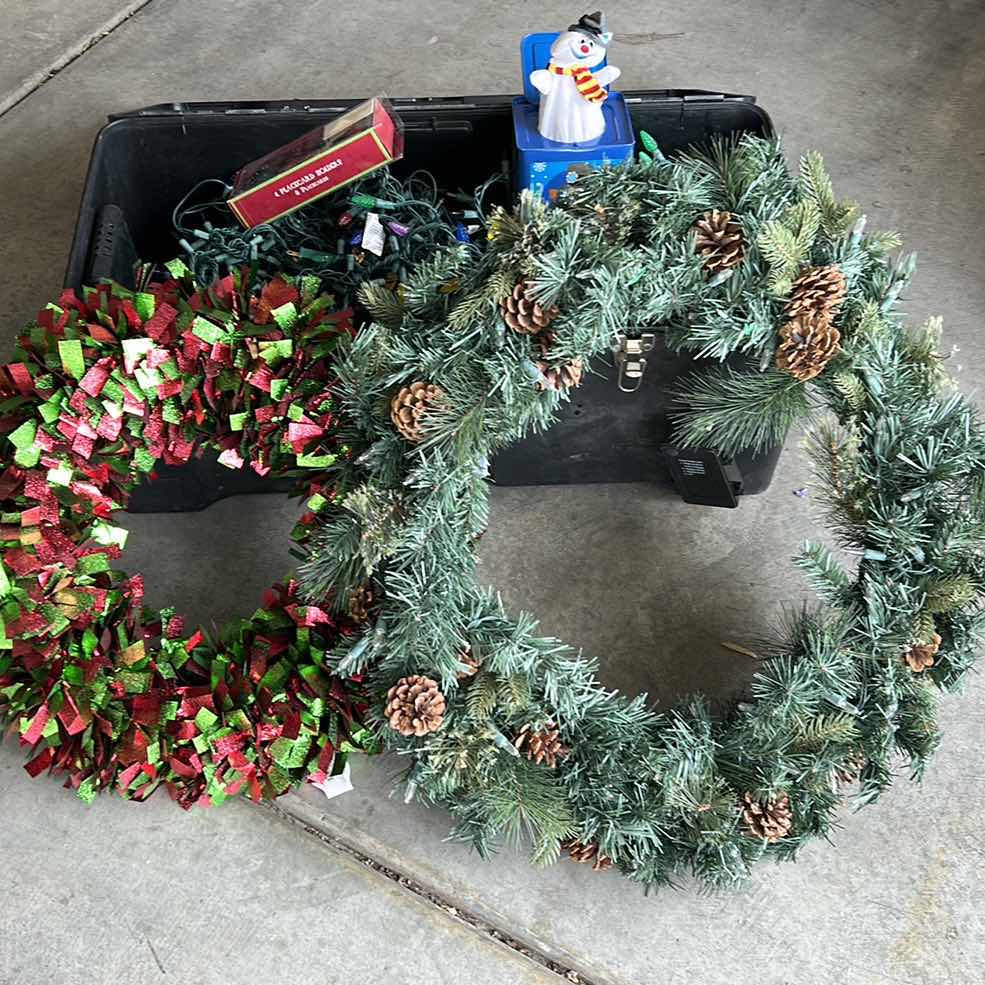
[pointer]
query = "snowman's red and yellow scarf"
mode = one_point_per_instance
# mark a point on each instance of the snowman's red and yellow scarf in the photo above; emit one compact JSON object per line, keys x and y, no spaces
{"x":585,"y":82}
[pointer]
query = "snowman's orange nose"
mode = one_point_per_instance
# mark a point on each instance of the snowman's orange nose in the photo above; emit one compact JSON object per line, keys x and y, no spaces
{"x":584,"y":49}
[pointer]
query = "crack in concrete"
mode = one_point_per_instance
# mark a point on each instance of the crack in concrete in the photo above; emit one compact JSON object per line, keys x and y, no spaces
{"x":452,"y":910}
{"x":153,"y":951}
{"x":71,"y":54}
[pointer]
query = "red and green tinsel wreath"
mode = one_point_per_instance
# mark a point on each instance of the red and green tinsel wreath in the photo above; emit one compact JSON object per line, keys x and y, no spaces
{"x":99,"y":687}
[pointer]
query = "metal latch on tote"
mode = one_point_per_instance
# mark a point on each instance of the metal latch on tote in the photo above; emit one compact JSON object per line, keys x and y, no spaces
{"x":630,"y":354}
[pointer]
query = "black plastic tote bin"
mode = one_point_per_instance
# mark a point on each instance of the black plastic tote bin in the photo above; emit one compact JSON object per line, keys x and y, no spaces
{"x":144,"y":162}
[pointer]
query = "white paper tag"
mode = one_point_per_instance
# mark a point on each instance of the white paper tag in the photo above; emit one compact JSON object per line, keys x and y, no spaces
{"x":374,"y":235}
{"x":335,"y":786}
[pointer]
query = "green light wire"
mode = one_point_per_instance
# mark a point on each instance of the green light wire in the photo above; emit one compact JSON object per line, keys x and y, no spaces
{"x":316,"y":240}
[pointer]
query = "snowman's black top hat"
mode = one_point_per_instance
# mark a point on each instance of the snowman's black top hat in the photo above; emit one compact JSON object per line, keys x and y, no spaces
{"x":593,"y":26}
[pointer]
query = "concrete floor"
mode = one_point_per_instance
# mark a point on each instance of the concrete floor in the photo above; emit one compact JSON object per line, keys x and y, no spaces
{"x":890,"y":92}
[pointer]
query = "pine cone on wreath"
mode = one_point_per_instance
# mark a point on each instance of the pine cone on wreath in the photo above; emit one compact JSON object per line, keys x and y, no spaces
{"x":719,"y":241}
{"x":415,"y":706}
{"x":851,"y":769}
{"x":920,"y":656}
{"x":471,"y":664}
{"x":410,"y":404}
{"x":543,"y":745}
{"x":523,"y":314}
{"x":560,"y":377}
{"x":556,"y":377}
{"x":771,"y":819}
{"x":362,"y":601}
{"x":819,"y":290}
{"x":587,"y":854}
{"x":808,"y":343}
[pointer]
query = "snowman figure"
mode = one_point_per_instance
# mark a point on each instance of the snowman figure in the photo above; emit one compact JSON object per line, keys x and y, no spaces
{"x":571,"y":93}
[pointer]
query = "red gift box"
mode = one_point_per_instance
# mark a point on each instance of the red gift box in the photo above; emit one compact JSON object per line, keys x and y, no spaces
{"x":318,"y":162}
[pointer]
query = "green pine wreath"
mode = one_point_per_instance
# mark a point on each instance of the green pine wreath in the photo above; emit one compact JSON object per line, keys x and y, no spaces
{"x":387,"y":638}
{"x":733,"y":258}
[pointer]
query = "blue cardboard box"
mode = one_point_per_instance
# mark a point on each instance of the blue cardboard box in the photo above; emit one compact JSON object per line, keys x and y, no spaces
{"x":545,"y":166}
